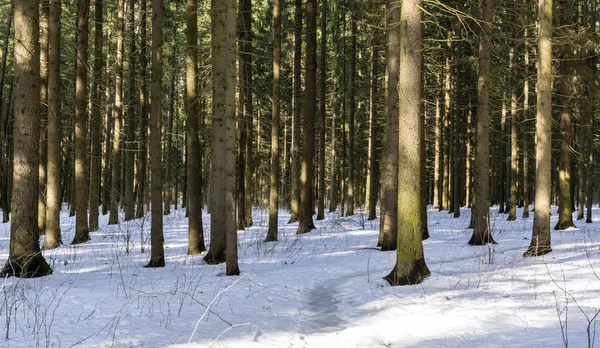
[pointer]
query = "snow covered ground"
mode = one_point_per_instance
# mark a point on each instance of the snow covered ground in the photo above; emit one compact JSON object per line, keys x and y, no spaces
{"x":321,"y":289}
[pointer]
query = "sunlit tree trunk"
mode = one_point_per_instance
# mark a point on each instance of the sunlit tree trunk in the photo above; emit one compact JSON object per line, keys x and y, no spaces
{"x":223,"y":241}
{"x":540,"y":240}
{"x":389,"y":162}
{"x":410,"y":265}
{"x":129,"y":173}
{"x":323,"y":108}
{"x":565,"y":85}
{"x":194,"y":154}
{"x":274,"y":185}
{"x":117,"y":118}
{"x":25,"y":259}
{"x":81,"y":126}
{"x":372,"y":189}
{"x":297,"y":96}
{"x":481,"y":210}
{"x":53,"y":200}
{"x":96,"y":119}
{"x":305,"y":212}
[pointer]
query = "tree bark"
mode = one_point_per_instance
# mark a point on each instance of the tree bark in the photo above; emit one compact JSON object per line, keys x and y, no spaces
{"x":297,"y":96}
{"x":389,"y":164}
{"x":410,"y":265}
{"x":274,"y":185}
{"x":130,"y":147}
{"x":117,"y":118}
{"x":53,"y":200}
{"x":323,"y":108}
{"x":371,"y":189}
{"x":142,"y":158}
{"x":540,"y":240}
{"x":305,"y":213}
{"x":25,"y":258}
{"x":96,"y":119}
{"x":481,"y":232}
{"x":44,"y":23}
{"x":194,"y":154}
{"x":223,"y":242}
{"x":82,"y":233}
{"x":565,"y":85}
{"x":157,"y":253}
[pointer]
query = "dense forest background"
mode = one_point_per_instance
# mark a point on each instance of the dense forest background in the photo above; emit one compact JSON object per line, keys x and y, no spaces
{"x":309,"y":106}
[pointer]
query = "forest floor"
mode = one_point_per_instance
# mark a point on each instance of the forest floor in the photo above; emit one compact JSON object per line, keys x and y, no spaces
{"x":321,"y":289}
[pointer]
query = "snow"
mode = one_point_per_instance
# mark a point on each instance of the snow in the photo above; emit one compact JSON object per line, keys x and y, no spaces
{"x":321,"y":289}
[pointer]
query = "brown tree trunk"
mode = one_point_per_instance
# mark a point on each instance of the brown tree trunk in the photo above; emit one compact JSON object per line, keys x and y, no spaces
{"x":323,"y":108}
{"x":389,"y":164}
{"x":351,"y":122}
{"x":130,"y":147}
{"x":96,"y":119}
{"x":117,"y":118}
{"x":274,"y":185}
{"x":44,"y":22}
{"x":525,"y":146}
{"x":565,"y":84}
{"x":53,"y":199}
{"x":4,"y":121}
{"x":372,"y":189}
{"x":223,"y":240}
{"x":142,"y":158}
{"x":82,"y":233}
{"x":157,"y":254}
{"x":194,"y":154}
{"x":481,"y":209}
{"x":410,"y":265}
{"x":25,"y":259}
{"x":305,"y":214}
{"x":297,"y":96}
{"x":514,"y":139}
{"x":540,"y":240}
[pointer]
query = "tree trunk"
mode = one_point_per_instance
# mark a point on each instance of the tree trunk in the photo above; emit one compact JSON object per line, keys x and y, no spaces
{"x":157,"y":253}
{"x":167,"y":193}
{"x":44,"y":22}
{"x":194,"y":154}
{"x":525,"y":146}
{"x":389,"y":164}
{"x":323,"y":108}
{"x":25,"y":259}
{"x":142,"y":158}
{"x":514,"y":139}
{"x":305,"y":214}
{"x":130,"y":147}
{"x":96,"y":119}
{"x":565,"y":85}
{"x":540,"y":240}
{"x":223,"y":240}
{"x":481,"y":209}
{"x":53,"y":200}
{"x":351,"y":121}
{"x":82,"y":233}
{"x":248,"y":112}
{"x":371,"y":189}
{"x":297,"y":96}
{"x":117,"y":118}
{"x":4,"y":122}
{"x":274,"y":185}
{"x":410,"y":265}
